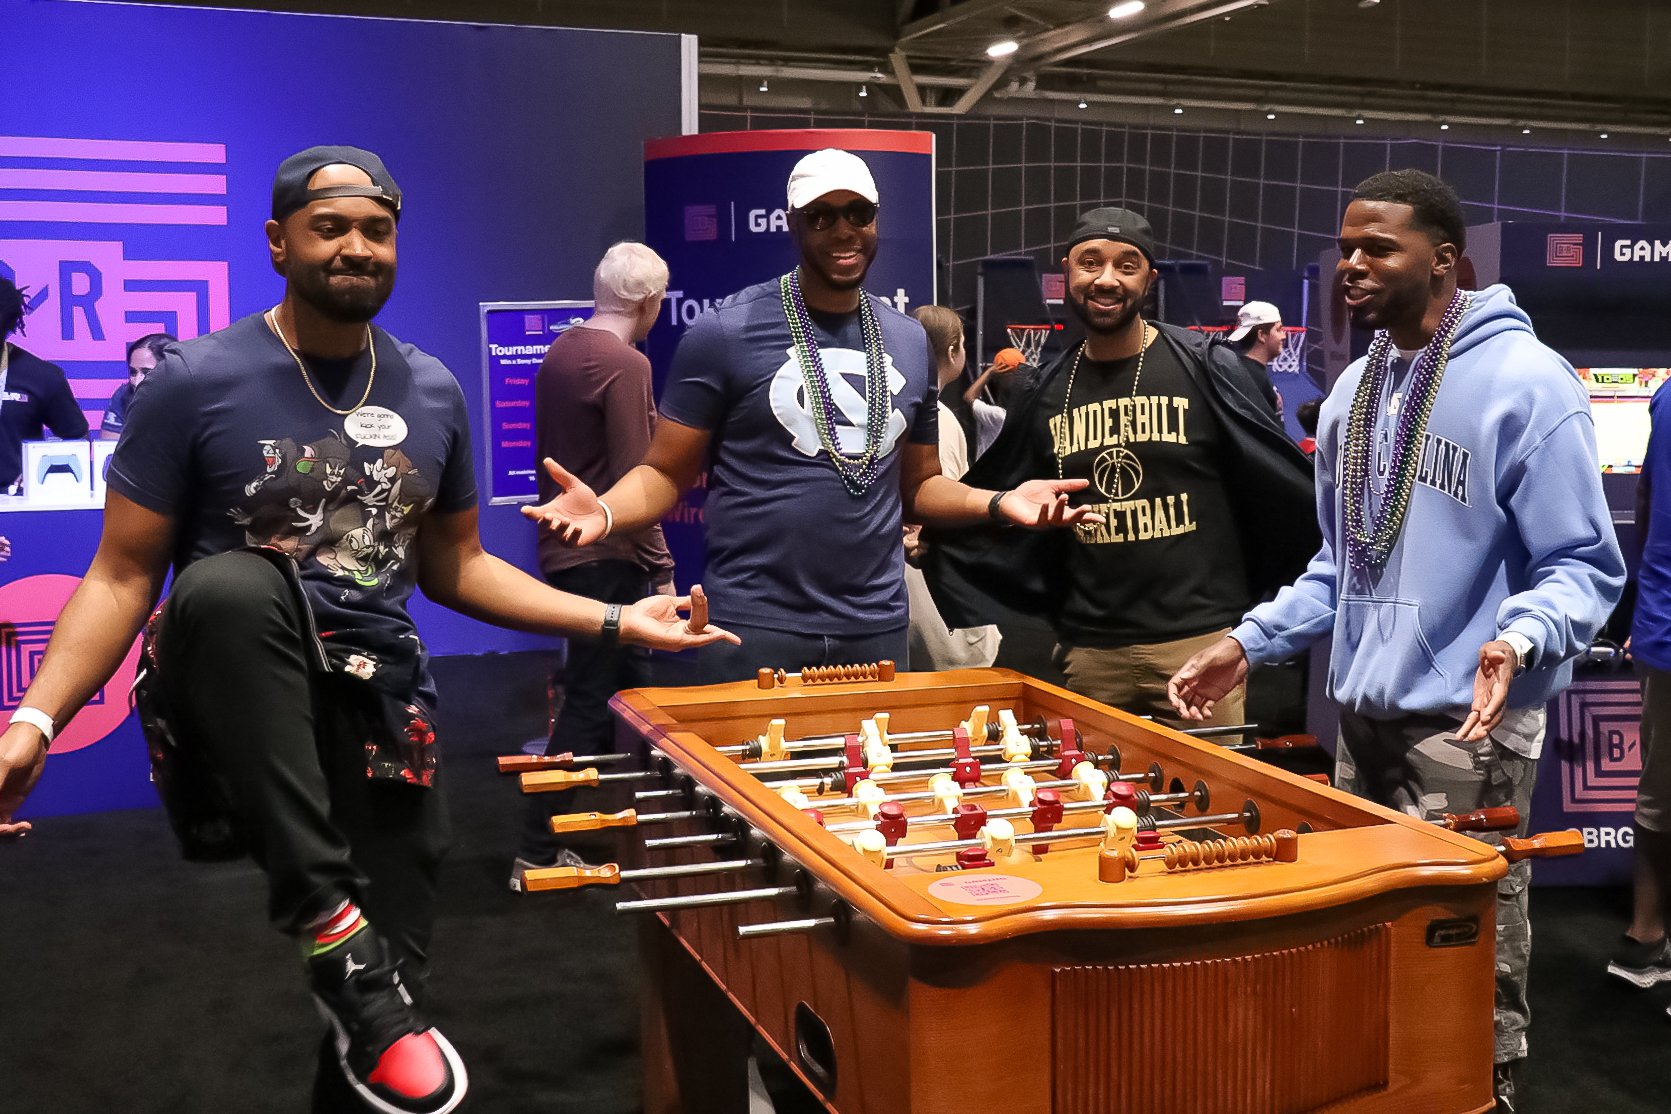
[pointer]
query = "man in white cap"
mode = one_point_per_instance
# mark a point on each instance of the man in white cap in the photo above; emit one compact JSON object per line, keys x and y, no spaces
{"x":1259,"y":336}
{"x":812,"y":404}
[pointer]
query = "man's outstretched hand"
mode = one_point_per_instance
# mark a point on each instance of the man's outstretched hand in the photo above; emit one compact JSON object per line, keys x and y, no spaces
{"x":1498,"y":663}
{"x":657,"y":622}
{"x":1205,"y":679}
{"x":1043,"y":505}
{"x":22,"y":755}
{"x":575,"y":514}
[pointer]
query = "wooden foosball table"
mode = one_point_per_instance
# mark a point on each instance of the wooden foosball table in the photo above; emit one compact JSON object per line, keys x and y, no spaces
{"x":974,"y":892}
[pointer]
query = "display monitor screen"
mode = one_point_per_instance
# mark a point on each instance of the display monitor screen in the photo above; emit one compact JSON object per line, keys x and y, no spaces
{"x":1619,"y":400}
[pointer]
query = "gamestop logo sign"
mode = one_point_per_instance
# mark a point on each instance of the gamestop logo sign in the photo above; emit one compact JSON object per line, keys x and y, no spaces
{"x":1627,"y":250}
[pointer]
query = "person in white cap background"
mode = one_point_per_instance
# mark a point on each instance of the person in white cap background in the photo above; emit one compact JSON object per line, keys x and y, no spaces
{"x":1259,"y":336}
{"x":812,"y":404}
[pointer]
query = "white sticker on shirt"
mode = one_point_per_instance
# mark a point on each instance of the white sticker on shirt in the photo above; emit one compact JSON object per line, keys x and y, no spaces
{"x":845,"y":369}
{"x":376,"y":426}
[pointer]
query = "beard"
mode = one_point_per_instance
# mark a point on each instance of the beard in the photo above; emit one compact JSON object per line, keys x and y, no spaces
{"x":349,"y":303}
{"x":1101,"y":322}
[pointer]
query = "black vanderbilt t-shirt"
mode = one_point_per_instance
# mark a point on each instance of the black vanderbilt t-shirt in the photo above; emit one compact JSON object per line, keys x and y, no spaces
{"x":1167,"y":563}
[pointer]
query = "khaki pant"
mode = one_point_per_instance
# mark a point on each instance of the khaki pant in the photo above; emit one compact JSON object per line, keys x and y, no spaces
{"x":1133,"y":678}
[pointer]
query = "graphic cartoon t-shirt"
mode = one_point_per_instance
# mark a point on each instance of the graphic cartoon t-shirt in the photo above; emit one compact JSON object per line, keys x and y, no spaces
{"x":789,"y":547}
{"x":227,"y":438}
{"x":1165,"y":564}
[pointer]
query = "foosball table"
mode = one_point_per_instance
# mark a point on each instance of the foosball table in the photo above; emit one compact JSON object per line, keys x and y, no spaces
{"x":974,"y":892}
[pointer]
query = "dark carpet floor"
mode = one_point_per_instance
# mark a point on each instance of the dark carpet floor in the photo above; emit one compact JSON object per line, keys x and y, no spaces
{"x":133,"y":982}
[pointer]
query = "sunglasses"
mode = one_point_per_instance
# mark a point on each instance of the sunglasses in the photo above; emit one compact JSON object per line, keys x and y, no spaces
{"x":859,"y":214}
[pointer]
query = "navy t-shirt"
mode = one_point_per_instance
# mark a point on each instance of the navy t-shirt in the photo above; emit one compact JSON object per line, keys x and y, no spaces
{"x":227,"y":439}
{"x":116,"y":413}
{"x":789,"y":547}
{"x":34,"y":398}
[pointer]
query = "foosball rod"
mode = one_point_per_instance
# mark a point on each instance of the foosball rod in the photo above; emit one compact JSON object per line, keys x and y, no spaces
{"x":556,"y":781}
{"x":522,"y":763}
{"x":571,"y":822}
{"x":1249,"y":817}
{"x":704,"y":901}
{"x":573,"y":877}
{"x":1154,"y":775}
{"x":994,"y":730}
{"x":839,"y":762}
{"x":1199,"y":796}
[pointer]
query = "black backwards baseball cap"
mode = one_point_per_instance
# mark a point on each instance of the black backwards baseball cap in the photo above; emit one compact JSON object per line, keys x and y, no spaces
{"x":290,"y":184}
{"x":1120,"y":225}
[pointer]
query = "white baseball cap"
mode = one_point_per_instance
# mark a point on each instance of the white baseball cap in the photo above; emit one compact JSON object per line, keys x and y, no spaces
{"x":825,"y":172}
{"x":1252,"y":315}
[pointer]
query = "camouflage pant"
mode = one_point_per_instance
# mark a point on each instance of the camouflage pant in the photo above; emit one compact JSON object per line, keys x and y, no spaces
{"x":1416,"y":765}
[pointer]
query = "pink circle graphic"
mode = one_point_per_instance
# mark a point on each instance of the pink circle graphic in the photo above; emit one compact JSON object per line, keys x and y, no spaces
{"x":985,"y":889}
{"x":28,"y":609}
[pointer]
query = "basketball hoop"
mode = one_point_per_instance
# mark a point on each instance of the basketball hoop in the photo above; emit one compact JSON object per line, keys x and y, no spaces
{"x":1030,"y":339}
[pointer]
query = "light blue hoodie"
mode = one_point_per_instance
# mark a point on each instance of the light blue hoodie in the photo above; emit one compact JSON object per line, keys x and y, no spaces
{"x":1507,"y":530}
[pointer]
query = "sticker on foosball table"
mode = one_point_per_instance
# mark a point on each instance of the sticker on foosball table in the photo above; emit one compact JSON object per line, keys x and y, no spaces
{"x":985,"y":889}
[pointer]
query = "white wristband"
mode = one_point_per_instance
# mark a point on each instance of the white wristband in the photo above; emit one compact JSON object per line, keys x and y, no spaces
{"x":35,"y":718}
{"x":608,"y":518}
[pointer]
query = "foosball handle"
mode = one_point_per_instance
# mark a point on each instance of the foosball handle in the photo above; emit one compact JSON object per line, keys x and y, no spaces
{"x":1287,"y":742}
{"x":552,"y":781}
{"x":1502,"y":819}
{"x":593,"y":821}
{"x":519,"y":763}
{"x":1545,"y":845}
{"x":570,"y":877}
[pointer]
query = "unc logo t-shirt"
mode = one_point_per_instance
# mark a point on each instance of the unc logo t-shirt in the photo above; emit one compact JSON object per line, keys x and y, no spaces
{"x":789,"y":546}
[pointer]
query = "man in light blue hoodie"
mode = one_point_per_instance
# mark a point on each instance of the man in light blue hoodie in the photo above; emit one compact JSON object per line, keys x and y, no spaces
{"x":1467,"y":554}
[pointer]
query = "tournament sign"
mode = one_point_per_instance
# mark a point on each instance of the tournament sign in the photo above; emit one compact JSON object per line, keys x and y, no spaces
{"x":714,"y":210}
{"x":515,"y":336}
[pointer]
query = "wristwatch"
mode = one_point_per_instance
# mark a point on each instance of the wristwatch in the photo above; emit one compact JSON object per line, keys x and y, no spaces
{"x":611,"y":631}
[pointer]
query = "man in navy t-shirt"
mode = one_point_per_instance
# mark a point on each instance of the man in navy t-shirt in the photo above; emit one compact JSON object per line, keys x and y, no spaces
{"x":812,"y":404}
{"x":303,"y":472}
{"x":34,"y":395}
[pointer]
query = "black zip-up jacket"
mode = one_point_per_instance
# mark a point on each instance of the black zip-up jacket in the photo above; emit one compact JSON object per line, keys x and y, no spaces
{"x":1267,"y":479}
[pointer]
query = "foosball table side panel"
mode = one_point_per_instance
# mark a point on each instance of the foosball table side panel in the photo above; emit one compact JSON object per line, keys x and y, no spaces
{"x":832,"y":1008}
{"x":1346,"y":1010}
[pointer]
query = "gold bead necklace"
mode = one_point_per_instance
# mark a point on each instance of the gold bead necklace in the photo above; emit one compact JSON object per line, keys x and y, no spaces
{"x":272,"y":323}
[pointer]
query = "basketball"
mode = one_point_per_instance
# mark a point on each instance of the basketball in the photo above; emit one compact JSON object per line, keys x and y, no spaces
{"x":1007,"y":360}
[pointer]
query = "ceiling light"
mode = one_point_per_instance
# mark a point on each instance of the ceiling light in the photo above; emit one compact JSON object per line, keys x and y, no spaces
{"x":1269,"y":115}
{"x":763,"y":85}
{"x":864,"y":90}
{"x":1082,"y":103}
{"x":1177,"y":110}
{"x":1444,"y":127}
{"x":1604,"y":135}
{"x":1368,"y":3}
{"x":1359,"y":120}
{"x":1525,"y":131}
{"x":1003,"y":48}
{"x":1126,"y":9}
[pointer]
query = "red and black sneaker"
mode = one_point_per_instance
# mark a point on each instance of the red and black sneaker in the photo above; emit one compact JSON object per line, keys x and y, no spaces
{"x":396,"y":1063}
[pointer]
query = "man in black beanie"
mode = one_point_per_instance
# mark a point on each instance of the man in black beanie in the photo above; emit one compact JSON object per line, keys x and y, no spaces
{"x":1205,"y":502}
{"x":304,"y":472}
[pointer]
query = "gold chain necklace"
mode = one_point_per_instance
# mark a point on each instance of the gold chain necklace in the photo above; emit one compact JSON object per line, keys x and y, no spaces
{"x":272,"y":323}
{"x":1067,"y":395}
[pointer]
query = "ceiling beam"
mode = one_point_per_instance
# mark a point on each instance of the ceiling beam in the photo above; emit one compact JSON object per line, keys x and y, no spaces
{"x":980,"y":86}
{"x":907,"y":82}
{"x":1053,"y":47}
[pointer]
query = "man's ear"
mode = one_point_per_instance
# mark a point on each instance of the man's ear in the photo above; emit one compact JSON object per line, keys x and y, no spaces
{"x":275,"y":245}
{"x":1445,"y":256}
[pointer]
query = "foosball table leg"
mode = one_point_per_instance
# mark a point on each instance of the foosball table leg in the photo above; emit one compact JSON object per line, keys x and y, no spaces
{"x":696,"y":1043}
